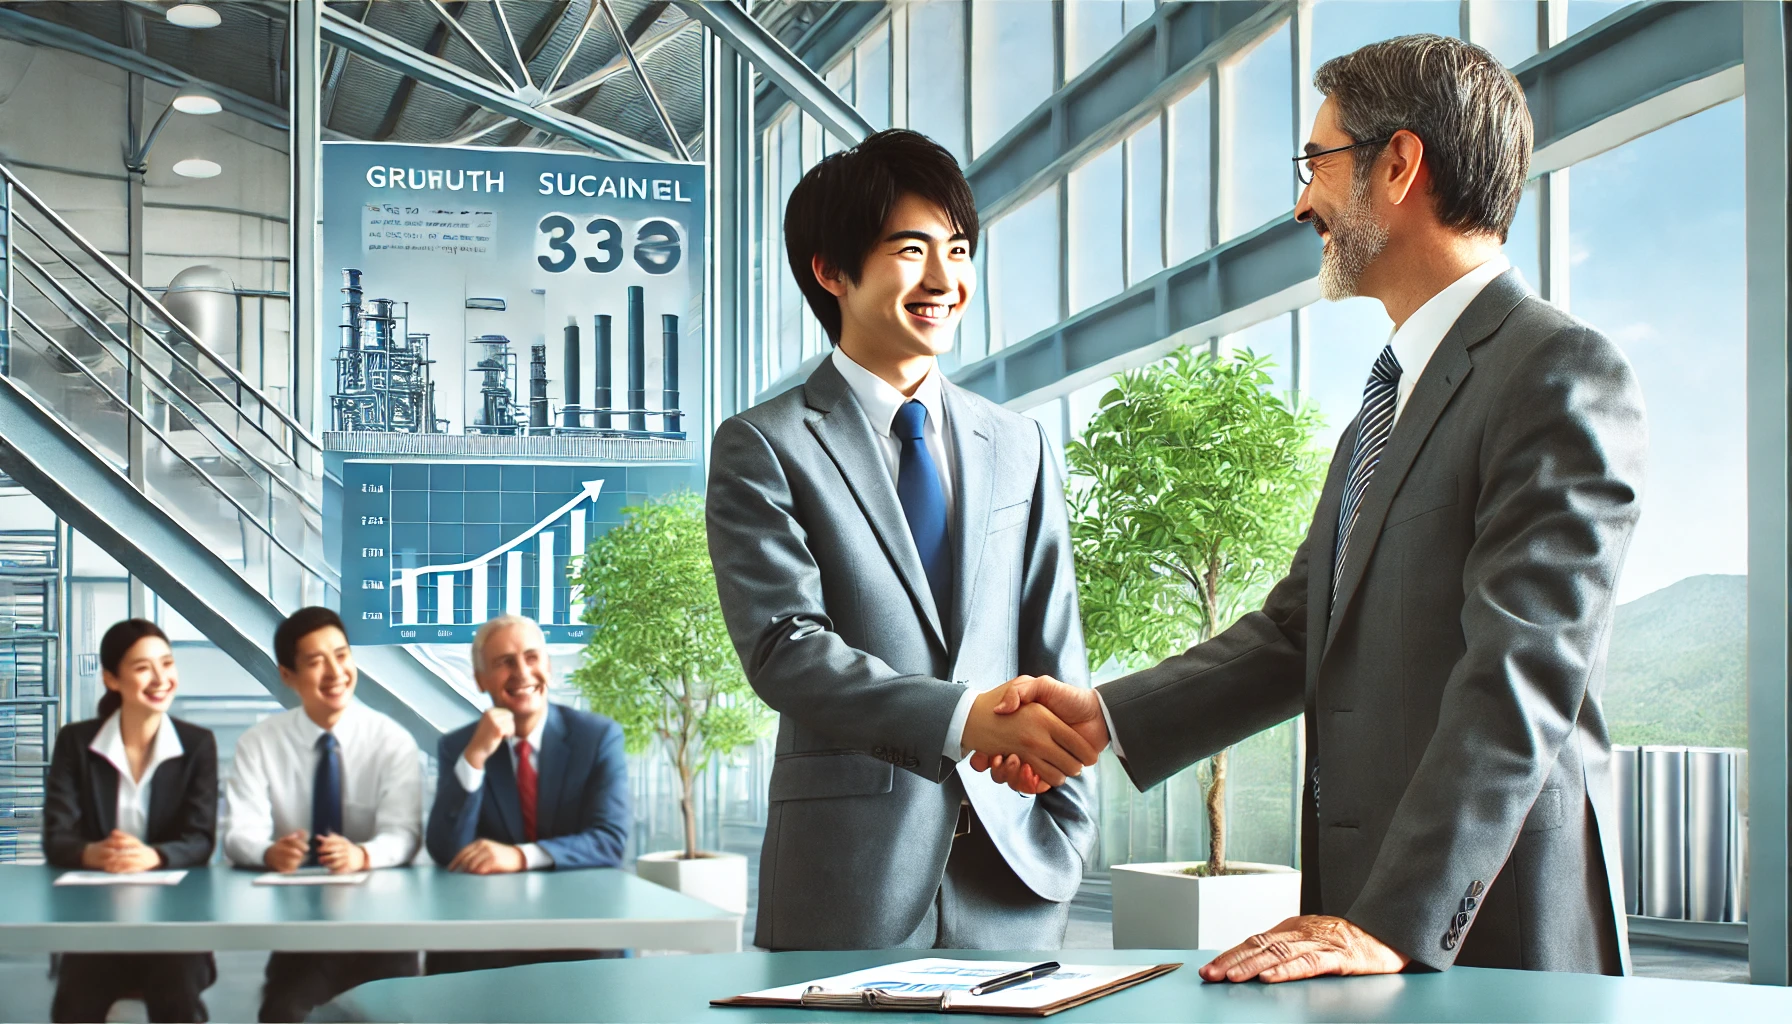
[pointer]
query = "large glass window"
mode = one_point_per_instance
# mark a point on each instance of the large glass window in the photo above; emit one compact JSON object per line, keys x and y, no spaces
{"x":1657,"y":263}
{"x":1097,"y":222}
{"x":1342,"y":342}
{"x":936,"y":63}
{"x":1015,"y":69}
{"x":1258,"y":92}
{"x":871,"y":79}
{"x":1145,"y":202}
{"x":840,"y":79}
{"x":1191,"y":174}
{"x":1091,"y":28}
{"x":1584,"y":13}
{"x":1024,"y":283}
{"x":1273,"y":338}
{"x":1509,"y":29}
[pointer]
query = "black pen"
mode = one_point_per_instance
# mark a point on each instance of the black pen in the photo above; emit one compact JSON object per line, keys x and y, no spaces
{"x":1003,"y":981}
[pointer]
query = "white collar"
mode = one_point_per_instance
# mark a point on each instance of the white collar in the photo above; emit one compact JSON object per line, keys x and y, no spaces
{"x":311,"y":730}
{"x":880,"y":399}
{"x":1422,"y":332}
{"x":535,"y":734}
{"x":109,"y":744}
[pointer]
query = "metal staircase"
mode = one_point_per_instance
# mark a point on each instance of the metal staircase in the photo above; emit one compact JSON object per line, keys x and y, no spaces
{"x":130,"y":428}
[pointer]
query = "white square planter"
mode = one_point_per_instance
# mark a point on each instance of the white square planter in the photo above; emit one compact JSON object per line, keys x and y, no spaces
{"x":1156,"y":906}
{"x":718,"y":878}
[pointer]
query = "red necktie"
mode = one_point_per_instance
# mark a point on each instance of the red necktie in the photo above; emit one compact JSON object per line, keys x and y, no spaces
{"x":525,"y":788}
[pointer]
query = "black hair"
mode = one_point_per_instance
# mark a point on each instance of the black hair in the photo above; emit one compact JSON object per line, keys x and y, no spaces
{"x":838,"y":209}
{"x":298,"y":626}
{"x":117,"y":643}
{"x":1460,"y":101}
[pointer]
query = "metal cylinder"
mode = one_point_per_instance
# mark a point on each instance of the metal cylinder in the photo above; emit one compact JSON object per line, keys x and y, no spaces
{"x":569,"y":343}
{"x":1664,"y":832}
{"x":351,"y":308}
{"x":669,"y":336}
{"x":1626,"y":773}
{"x":600,"y":388}
{"x":204,"y":299}
{"x":1710,"y":802}
{"x":538,"y":387}
{"x":637,"y":358}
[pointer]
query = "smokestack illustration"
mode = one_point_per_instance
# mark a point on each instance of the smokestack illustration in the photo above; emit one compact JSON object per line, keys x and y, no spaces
{"x":669,"y":335}
{"x":637,"y":358}
{"x":351,"y":309}
{"x":600,"y":388}
{"x":570,"y":345}
{"x":538,"y":388}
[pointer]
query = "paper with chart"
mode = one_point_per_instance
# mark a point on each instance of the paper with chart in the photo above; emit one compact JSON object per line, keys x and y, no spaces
{"x":109,"y":878}
{"x":919,"y":978}
{"x":312,"y":876}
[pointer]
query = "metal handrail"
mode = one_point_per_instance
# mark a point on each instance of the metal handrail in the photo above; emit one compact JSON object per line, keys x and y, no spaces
{"x":270,"y":471}
{"x":149,"y":300}
{"x":146,"y":328}
{"x":166,"y":443}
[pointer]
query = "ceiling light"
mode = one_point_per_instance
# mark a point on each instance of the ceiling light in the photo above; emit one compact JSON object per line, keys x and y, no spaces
{"x":193,"y":16}
{"x":197,"y":167}
{"x":196,"y":103}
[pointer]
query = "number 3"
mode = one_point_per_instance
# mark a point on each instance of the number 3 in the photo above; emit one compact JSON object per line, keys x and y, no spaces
{"x":561,"y":228}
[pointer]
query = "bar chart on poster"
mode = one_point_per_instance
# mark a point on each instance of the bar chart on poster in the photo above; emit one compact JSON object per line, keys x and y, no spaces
{"x":432,"y":549}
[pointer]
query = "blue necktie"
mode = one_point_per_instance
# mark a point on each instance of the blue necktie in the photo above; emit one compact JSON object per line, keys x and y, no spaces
{"x":1374,"y":425}
{"x":924,"y":503}
{"x":326,"y":791}
{"x":1372,"y":430}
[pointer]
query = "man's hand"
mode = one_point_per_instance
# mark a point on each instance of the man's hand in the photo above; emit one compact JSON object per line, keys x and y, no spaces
{"x":120,"y":853}
{"x":1029,"y":731}
{"x":288,"y":852}
{"x":1305,"y":947}
{"x":484,"y":857}
{"x":341,"y":856}
{"x":1075,"y":706}
{"x":495,"y":726}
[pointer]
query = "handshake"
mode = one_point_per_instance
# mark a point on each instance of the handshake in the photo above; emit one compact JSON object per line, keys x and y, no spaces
{"x":1033,"y":732}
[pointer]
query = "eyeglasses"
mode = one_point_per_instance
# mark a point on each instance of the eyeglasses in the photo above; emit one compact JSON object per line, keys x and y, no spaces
{"x":1303,"y":167}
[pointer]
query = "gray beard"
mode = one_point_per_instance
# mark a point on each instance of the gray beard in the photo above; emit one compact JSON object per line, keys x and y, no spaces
{"x":1357,"y":238}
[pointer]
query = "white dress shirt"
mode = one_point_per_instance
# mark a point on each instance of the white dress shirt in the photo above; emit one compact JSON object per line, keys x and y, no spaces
{"x":880,"y":400}
{"x":534,"y":857}
{"x":1414,"y":343}
{"x":133,"y":793}
{"x":276,"y":764}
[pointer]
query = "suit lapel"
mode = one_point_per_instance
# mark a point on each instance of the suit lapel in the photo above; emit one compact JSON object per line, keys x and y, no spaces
{"x":1322,"y":544}
{"x":1448,"y":366}
{"x":845,"y":434}
{"x":103,"y":778}
{"x":165,"y":791}
{"x":973,"y":482}
{"x":550,"y":774}
{"x":500,"y":789}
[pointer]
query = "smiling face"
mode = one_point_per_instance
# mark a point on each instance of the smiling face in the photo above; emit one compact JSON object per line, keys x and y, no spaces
{"x":323,"y":674}
{"x":912,"y":291}
{"x":1339,"y":205}
{"x":146,"y":679}
{"x":514,"y":670}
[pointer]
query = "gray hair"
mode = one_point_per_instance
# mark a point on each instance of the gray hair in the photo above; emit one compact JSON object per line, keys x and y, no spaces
{"x":1460,"y":101}
{"x":491,"y":627}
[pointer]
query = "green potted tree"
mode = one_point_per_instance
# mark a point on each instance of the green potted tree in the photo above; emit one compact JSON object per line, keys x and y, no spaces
{"x":1189,"y":492}
{"x":661,"y":664}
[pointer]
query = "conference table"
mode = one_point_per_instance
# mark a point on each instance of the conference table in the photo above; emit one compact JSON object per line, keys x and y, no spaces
{"x":678,"y":988}
{"x":395,"y":909}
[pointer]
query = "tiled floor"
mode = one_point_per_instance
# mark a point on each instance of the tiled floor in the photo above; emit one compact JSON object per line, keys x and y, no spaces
{"x":25,"y":987}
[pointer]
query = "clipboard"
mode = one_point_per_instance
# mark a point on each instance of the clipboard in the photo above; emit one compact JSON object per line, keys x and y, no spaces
{"x":936,"y":985}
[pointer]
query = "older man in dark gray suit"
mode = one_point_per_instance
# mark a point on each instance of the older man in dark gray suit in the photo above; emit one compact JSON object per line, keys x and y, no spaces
{"x":891,"y":550}
{"x":1444,"y":625}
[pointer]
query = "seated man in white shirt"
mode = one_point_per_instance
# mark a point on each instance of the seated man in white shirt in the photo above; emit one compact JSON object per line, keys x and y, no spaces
{"x":331,"y":784}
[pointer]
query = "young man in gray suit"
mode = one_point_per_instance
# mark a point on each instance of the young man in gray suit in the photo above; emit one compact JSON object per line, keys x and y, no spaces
{"x":1444,"y":625}
{"x":891,"y":551}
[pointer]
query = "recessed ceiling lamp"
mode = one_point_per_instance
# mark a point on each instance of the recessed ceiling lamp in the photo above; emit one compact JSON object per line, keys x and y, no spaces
{"x":193,"y":16}
{"x":197,"y":103}
{"x":197,"y":167}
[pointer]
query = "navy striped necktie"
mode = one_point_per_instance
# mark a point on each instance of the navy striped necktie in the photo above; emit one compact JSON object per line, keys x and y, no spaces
{"x":1373,"y":428}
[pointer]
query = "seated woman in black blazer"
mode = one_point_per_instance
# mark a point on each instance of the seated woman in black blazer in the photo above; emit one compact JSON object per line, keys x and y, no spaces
{"x":133,"y":790}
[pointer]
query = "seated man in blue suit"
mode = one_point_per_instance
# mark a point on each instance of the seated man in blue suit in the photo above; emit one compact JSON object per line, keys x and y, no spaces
{"x":530,"y":786}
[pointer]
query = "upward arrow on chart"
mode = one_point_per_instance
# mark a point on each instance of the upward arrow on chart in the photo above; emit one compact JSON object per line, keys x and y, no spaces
{"x":591,"y":490}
